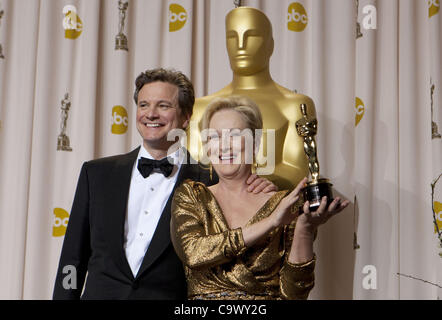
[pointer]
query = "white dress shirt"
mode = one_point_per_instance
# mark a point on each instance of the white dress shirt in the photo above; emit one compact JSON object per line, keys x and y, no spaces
{"x":147,"y":199}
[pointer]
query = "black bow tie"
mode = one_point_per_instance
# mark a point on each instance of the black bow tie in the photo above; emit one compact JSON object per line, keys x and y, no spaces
{"x":146,"y":166}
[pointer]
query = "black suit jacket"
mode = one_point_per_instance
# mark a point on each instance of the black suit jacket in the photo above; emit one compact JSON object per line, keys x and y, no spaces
{"x":93,"y":243}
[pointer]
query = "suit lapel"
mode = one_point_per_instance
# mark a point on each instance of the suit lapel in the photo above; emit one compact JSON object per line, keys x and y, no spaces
{"x":161,"y":238}
{"x":115,"y":208}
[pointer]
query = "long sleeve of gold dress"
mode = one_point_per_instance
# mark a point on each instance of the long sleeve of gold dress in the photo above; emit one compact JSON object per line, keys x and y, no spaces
{"x":217,"y":263}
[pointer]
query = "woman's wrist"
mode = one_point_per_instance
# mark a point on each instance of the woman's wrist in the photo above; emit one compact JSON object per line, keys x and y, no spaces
{"x":301,"y":250}
{"x":305,"y":229}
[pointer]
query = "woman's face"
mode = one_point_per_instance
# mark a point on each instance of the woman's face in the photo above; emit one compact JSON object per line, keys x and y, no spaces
{"x":230,"y":144}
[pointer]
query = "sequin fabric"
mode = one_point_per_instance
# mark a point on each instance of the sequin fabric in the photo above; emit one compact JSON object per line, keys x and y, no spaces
{"x":216,"y":261}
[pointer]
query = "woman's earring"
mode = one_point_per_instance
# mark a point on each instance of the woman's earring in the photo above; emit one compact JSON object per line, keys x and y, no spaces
{"x":254,"y":166}
{"x":210,"y":171}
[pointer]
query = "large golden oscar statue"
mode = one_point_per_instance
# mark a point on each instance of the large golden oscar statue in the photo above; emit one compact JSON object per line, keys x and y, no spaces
{"x":250,"y":45}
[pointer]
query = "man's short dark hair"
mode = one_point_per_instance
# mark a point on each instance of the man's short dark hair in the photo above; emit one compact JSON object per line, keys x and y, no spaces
{"x":186,"y":95}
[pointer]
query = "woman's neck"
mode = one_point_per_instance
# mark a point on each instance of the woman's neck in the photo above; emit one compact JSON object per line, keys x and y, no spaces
{"x":233,"y":186}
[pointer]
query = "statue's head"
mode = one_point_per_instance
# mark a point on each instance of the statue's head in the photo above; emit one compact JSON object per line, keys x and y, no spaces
{"x":249,"y":40}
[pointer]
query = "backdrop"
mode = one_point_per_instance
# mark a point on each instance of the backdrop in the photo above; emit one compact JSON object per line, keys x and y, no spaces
{"x":373,"y":69}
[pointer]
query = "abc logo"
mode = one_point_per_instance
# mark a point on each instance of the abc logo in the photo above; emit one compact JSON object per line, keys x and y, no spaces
{"x":360,"y":110}
{"x":61,"y":219}
{"x":177,"y":17}
{"x":120,"y":121}
{"x":72,"y":23}
{"x":433,"y":7}
{"x":296,"y":17}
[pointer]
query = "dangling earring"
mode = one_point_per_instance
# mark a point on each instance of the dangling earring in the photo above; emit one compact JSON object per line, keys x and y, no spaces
{"x":210,"y":171}
{"x":254,"y":166}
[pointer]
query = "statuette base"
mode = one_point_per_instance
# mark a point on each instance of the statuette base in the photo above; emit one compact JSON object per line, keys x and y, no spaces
{"x":315,"y":190}
{"x":63,"y":143}
{"x":121,"y":42}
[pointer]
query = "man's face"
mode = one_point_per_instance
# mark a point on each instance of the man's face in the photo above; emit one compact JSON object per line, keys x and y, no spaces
{"x":158,"y":113}
{"x":249,"y":42}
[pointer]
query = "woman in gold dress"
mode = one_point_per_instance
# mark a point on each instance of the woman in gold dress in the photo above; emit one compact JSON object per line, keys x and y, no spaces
{"x":240,"y":245}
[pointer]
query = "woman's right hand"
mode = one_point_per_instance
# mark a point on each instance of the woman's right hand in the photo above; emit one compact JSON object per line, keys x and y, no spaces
{"x":283,"y":213}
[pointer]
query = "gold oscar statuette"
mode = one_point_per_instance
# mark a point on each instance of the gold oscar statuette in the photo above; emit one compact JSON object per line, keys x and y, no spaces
{"x":63,"y":142}
{"x":358,"y":25}
{"x":316,"y":188}
{"x":121,"y":39}
{"x":1,"y":50}
{"x":434,"y":130}
{"x":237,"y":3}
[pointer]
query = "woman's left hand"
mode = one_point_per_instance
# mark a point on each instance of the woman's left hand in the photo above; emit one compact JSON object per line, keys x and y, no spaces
{"x":258,"y":184}
{"x":309,"y":221}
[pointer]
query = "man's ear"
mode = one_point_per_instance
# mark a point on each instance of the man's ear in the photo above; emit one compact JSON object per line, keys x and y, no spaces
{"x":186,"y":121}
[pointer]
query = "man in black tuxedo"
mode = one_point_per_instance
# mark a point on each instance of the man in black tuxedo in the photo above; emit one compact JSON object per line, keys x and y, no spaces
{"x":118,"y":232}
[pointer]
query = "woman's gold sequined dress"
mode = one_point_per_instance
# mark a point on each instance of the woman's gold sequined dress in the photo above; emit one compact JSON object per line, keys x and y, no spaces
{"x":217,"y":263}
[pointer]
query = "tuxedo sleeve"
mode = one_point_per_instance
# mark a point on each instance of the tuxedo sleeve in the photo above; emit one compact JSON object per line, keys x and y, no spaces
{"x":76,"y":249}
